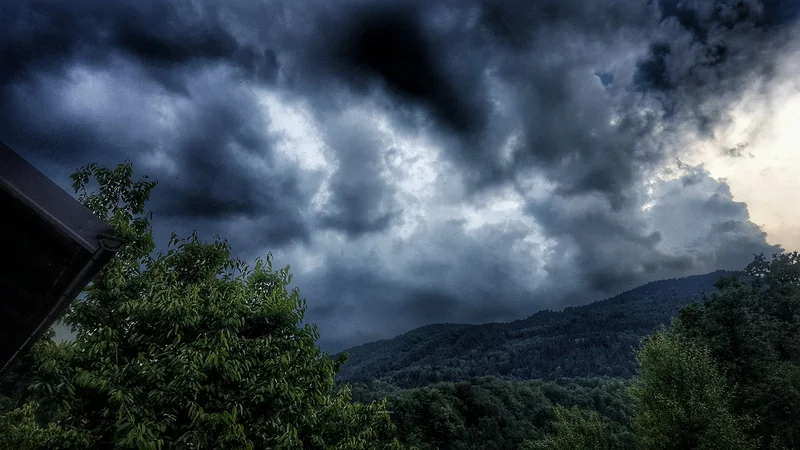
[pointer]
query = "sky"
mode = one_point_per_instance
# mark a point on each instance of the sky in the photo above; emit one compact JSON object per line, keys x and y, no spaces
{"x":429,"y":161}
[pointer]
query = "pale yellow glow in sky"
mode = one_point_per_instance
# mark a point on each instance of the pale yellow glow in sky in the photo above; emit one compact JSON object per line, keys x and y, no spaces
{"x":766,"y":176}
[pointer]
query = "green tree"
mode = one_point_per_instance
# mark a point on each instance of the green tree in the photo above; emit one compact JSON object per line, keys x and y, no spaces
{"x":751,"y":327}
{"x":184,"y":349}
{"x":579,"y":429}
{"x":15,"y":378}
{"x":681,"y":398}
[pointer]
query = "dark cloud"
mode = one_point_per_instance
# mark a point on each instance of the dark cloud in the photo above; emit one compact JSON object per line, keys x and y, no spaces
{"x":389,"y":44}
{"x":217,"y":157}
{"x":779,"y":12}
{"x":652,"y":72}
{"x":167,"y":38}
{"x":360,"y":197}
{"x":588,"y":99}
{"x":693,"y":225}
{"x":451,"y":274}
{"x":217,"y":181}
{"x":610,"y":249}
{"x":737,"y":151}
{"x":472,"y":46}
{"x":702,"y":64}
{"x":550,"y":100}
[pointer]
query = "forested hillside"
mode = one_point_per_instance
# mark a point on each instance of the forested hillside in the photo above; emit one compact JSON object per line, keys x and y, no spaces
{"x":597,"y":339}
{"x":487,"y":413}
{"x":723,"y":376}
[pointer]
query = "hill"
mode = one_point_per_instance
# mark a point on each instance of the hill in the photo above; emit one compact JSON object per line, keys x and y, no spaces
{"x":596,"y":339}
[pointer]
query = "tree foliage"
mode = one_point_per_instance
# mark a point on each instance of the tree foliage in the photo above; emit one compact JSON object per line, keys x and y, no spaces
{"x":184,"y":349}
{"x":682,"y":400}
{"x":751,"y":328}
{"x":576,"y":428}
{"x":489,"y":413}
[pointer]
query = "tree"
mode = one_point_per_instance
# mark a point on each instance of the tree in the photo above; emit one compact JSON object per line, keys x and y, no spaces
{"x":15,"y":378}
{"x":575,"y":429}
{"x":751,"y":328}
{"x":185,"y":349}
{"x":681,"y":398}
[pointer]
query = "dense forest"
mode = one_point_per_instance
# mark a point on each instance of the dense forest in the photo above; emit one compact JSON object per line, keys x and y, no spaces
{"x":489,"y":413}
{"x":193,"y":349}
{"x":724,"y":375}
{"x":597,"y":339}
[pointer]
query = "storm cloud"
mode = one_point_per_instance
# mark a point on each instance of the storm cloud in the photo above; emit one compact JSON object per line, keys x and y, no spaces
{"x":415,"y":162}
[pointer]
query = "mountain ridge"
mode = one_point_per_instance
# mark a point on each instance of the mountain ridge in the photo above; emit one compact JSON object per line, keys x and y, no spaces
{"x":594,"y":339}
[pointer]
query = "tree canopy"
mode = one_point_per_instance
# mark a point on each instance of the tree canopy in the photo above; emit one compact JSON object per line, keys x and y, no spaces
{"x":682,"y":400}
{"x":751,"y":328}
{"x":185,"y":349}
{"x":576,"y":428}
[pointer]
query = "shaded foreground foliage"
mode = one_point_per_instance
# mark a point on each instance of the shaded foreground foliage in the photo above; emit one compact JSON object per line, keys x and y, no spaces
{"x":186,"y":349}
{"x":751,"y":331}
{"x":682,"y":400}
{"x":489,"y":413}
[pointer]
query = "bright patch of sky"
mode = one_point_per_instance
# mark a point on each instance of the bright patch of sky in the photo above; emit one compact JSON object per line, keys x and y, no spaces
{"x":759,"y":152}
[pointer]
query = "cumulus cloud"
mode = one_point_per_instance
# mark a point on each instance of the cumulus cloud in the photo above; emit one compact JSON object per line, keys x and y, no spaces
{"x":445,"y":161}
{"x":700,"y":219}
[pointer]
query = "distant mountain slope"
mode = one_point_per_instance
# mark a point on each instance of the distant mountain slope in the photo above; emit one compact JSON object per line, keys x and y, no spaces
{"x":591,"y":340}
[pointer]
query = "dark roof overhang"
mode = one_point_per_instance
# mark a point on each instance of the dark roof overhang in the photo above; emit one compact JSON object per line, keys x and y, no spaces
{"x":50,"y":247}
